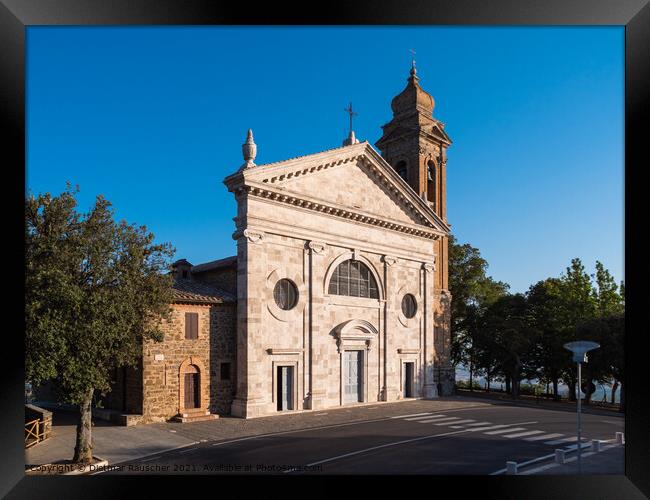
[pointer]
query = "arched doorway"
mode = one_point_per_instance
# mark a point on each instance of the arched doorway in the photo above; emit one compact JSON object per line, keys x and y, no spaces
{"x":354,"y":340}
{"x":191,"y":394}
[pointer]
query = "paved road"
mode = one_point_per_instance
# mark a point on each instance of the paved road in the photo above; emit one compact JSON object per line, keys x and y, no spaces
{"x":474,"y":440}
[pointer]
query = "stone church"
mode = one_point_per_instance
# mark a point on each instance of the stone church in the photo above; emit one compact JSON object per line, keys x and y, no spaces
{"x":338,"y":293}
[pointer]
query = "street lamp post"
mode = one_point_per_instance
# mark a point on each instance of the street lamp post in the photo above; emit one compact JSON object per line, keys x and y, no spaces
{"x":579,"y":350}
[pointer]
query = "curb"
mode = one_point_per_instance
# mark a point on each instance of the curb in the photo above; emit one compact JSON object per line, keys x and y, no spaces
{"x":102,"y":463}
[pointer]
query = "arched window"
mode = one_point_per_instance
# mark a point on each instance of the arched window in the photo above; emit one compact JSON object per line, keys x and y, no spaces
{"x":353,"y":278}
{"x":401,"y":170}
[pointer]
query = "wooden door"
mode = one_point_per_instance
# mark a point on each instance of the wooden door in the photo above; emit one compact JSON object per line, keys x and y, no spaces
{"x":192,"y":390}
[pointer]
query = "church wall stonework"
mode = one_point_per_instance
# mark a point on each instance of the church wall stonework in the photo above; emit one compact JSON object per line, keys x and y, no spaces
{"x":163,"y":362}
{"x":276,"y":241}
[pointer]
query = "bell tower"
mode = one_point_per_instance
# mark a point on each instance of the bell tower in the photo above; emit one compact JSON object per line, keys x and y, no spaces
{"x":415,"y":144}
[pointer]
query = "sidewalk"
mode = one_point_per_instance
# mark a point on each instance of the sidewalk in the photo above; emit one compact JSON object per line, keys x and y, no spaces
{"x":593,"y":408}
{"x":610,"y":460}
{"x":119,"y":444}
{"x":111,"y":442}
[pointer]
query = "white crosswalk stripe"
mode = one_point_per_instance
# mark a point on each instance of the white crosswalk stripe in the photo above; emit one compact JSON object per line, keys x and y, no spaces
{"x":522,"y":434}
{"x":543,"y":436}
{"x":424,"y":417}
{"x":446,"y":420}
{"x":503,"y":431}
{"x":412,"y":415}
{"x":456,"y":422}
{"x":487,"y":428}
{"x":573,"y":439}
{"x":478,"y":424}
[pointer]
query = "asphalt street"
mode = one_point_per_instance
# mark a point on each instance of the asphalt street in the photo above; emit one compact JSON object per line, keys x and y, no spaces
{"x":475,"y":440}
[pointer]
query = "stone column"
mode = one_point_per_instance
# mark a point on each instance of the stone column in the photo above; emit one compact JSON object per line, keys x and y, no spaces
{"x":390,"y":389}
{"x":251,"y":266}
{"x":429,"y":325}
{"x":317,"y":334}
{"x":447,"y":372}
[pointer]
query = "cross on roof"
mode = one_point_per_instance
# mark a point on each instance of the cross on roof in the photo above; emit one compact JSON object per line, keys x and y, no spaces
{"x":412,"y":51}
{"x":351,"y":113}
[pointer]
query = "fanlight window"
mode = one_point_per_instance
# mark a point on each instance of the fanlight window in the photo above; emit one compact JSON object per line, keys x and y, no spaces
{"x":353,"y":278}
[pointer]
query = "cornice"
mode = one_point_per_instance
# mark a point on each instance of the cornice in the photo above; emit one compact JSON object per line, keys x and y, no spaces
{"x":335,"y":210}
{"x":264,"y":178}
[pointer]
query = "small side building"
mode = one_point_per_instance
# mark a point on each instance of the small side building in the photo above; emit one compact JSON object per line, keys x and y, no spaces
{"x":190,"y":375}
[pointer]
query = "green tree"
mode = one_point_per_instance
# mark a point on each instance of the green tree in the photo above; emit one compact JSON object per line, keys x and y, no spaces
{"x":94,"y":290}
{"x":472,"y":290}
{"x":507,"y":337}
{"x":547,"y":320}
{"x":579,"y":305}
{"x":608,"y":299}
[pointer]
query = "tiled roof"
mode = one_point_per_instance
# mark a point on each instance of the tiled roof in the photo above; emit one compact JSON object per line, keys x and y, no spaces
{"x":214,"y":264}
{"x":189,"y":291}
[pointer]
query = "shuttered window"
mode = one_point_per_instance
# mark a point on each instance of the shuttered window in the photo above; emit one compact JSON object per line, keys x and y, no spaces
{"x":191,"y":325}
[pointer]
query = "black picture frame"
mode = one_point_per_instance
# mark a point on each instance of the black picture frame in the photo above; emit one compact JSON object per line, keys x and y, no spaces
{"x":17,"y":15}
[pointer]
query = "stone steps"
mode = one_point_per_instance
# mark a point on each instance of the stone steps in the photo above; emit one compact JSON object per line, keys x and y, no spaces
{"x":198,"y":415}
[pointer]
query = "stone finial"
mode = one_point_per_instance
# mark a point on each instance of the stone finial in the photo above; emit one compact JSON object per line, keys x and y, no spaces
{"x":249,"y":150}
{"x":351,"y":139}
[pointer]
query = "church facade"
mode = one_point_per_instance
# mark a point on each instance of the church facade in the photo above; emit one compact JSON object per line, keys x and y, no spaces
{"x":338,"y":294}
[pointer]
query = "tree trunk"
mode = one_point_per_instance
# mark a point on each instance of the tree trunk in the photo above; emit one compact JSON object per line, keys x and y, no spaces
{"x":621,"y":406}
{"x":508,"y":385}
{"x":614,"y":388}
{"x":556,"y":395}
{"x":471,"y":376}
{"x":83,"y":450}
{"x":488,"y":381}
{"x":572,"y":390}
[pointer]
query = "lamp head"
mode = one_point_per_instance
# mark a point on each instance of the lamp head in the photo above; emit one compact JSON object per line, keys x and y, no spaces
{"x":580,"y":349}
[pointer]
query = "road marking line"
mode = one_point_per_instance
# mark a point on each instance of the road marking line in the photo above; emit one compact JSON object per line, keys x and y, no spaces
{"x":379,"y":447}
{"x":429,"y":418}
{"x":459,"y":422}
{"x":412,"y":415}
{"x":611,"y":422}
{"x":543,"y":436}
{"x":521,"y":434}
{"x":448,"y":420}
{"x":391,"y":444}
{"x":500,"y":426}
{"x":565,"y":440}
{"x":488,"y":428}
{"x":188,"y":451}
{"x":503,"y":431}
{"x":478,"y":423}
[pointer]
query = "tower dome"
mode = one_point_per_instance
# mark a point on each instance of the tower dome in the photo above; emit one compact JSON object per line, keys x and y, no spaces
{"x":412,"y":97}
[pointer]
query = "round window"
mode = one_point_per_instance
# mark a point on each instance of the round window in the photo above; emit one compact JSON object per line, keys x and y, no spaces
{"x":409,"y":305}
{"x":285,"y":294}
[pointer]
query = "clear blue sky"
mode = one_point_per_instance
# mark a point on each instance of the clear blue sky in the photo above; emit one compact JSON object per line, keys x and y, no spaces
{"x":154,"y":119}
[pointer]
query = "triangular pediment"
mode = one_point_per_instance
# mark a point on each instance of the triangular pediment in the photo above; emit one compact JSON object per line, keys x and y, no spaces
{"x":352,"y":178}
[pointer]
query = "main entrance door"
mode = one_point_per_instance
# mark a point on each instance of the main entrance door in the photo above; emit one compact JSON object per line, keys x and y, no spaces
{"x":353,"y":376}
{"x":285,"y":388}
